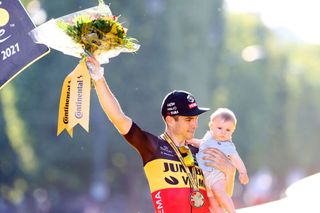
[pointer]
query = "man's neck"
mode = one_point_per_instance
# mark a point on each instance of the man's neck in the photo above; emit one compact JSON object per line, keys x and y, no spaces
{"x":178,"y":141}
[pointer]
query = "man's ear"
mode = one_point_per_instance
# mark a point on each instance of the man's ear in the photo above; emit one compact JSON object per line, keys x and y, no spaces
{"x":169,"y":120}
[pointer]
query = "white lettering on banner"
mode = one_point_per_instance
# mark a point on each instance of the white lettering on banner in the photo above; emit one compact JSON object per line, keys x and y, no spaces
{"x":10,"y":51}
{"x":159,"y":203}
{"x":2,"y":32}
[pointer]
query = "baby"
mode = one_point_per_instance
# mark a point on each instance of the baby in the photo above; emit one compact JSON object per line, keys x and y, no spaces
{"x":222,"y":125}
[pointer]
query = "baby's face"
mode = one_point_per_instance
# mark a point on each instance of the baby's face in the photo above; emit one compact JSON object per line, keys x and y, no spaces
{"x":221,"y":129}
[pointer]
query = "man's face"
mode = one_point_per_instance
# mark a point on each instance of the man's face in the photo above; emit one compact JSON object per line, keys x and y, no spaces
{"x":185,"y":126}
{"x":222,"y":129}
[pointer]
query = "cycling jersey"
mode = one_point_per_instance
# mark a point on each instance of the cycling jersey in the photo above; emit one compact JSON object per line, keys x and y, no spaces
{"x":168,"y":181}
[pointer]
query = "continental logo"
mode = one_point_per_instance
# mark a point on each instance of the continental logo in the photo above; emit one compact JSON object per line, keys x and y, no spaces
{"x":66,"y":106}
{"x":163,"y":174}
{"x":79,"y":113}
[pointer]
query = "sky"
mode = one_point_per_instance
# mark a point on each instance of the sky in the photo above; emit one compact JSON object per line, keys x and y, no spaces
{"x":301,"y":17}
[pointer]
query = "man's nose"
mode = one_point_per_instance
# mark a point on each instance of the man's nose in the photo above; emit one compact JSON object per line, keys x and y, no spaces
{"x":195,"y":123}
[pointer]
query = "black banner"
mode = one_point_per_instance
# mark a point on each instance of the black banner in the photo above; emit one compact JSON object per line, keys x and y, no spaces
{"x":17,"y":49}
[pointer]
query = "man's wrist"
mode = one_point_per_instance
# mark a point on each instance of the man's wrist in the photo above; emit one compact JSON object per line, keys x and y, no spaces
{"x":97,"y":75}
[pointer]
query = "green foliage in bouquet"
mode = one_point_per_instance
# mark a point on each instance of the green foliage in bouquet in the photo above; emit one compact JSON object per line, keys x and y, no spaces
{"x":97,"y":33}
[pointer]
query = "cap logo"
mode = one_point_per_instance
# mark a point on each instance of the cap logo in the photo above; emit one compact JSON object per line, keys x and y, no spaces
{"x":172,"y":108}
{"x":174,"y":112}
{"x":190,"y":98}
{"x":193,"y":105}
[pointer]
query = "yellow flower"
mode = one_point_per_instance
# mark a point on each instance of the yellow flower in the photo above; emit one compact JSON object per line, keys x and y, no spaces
{"x":114,"y":29}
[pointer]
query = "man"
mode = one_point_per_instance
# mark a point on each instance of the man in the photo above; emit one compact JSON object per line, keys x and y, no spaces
{"x":175,"y":180}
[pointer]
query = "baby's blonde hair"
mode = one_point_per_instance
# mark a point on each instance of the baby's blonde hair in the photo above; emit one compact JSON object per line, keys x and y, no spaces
{"x":224,"y":113}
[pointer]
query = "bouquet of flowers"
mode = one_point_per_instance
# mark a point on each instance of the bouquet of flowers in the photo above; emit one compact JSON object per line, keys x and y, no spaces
{"x":93,"y":31}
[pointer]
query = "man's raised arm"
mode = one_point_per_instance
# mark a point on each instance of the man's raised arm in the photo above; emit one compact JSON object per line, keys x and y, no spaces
{"x":108,"y":101}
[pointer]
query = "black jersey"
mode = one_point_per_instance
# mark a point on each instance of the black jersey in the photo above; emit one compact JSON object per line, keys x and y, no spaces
{"x":168,"y":181}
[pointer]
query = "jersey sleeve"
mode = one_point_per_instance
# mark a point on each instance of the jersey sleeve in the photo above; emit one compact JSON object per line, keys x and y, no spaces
{"x":142,"y":141}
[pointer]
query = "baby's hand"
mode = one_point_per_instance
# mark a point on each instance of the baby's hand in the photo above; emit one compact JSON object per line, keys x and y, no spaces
{"x":194,"y":142}
{"x":243,"y":178}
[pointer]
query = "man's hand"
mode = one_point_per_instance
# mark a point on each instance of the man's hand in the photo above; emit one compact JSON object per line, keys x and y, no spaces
{"x":219,"y":161}
{"x":96,"y":72}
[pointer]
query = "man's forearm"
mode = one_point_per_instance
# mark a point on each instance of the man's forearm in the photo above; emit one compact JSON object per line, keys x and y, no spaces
{"x":108,"y":101}
{"x":111,"y":107}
